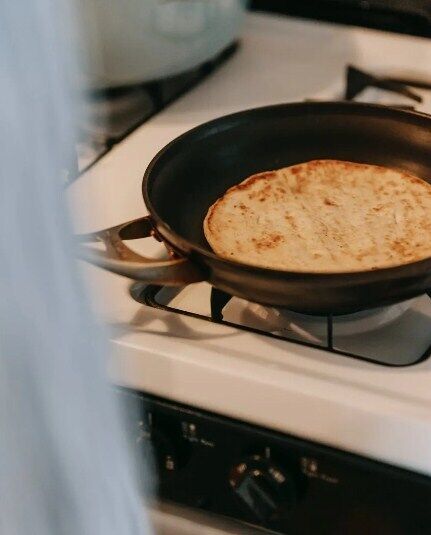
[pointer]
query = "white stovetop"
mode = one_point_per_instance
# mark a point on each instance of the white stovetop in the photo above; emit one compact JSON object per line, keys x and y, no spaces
{"x":376,"y":411}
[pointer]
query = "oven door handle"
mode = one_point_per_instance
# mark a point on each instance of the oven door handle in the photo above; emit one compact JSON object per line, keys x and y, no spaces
{"x":120,"y":259}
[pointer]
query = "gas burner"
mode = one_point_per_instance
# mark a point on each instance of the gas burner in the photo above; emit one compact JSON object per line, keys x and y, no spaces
{"x":110,"y":115}
{"x":364,"y":321}
{"x":396,"y":335}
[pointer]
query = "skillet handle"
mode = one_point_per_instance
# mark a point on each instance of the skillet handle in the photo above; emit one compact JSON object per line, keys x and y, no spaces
{"x":119,"y":258}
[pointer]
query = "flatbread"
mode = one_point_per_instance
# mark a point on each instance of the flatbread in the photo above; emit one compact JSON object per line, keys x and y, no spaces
{"x":323,"y":216}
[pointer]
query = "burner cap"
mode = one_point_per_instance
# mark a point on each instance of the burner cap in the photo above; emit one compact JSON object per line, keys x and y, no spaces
{"x":349,"y":324}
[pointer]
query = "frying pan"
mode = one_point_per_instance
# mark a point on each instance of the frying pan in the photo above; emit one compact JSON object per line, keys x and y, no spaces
{"x":191,"y":172}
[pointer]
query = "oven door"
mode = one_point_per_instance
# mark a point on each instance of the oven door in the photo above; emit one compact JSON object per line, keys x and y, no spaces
{"x":169,"y":519}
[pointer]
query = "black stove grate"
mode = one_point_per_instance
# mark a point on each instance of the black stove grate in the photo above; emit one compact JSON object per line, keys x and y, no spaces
{"x":412,"y":17}
{"x":114,"y":113}
{"x":152,"y":296}
{"x":220,"y":299}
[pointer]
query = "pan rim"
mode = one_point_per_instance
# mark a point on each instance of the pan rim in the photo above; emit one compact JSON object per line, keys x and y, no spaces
{"x":397,"y":271}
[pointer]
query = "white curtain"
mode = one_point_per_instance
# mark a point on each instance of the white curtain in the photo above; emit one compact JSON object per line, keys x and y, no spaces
{"x":64,"y":467}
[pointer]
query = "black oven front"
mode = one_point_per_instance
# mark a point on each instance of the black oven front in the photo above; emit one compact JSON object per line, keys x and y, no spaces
{"x":271,"y":480}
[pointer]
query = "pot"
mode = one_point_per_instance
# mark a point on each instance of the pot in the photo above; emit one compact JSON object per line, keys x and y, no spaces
{"x":135,"y":41}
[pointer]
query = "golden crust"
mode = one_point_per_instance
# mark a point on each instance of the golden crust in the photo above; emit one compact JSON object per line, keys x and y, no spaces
{"x":323,"y":216}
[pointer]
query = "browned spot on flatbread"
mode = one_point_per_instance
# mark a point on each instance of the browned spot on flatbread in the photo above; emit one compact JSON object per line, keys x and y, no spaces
{"x":251,"y":180}
{"x":269,"y":242}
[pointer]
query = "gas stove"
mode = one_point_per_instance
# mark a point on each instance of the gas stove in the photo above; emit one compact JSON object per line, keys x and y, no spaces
{"x":235,"y":385}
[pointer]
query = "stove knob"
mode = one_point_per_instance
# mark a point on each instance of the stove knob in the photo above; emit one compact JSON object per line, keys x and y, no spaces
{"x":267,"y":491}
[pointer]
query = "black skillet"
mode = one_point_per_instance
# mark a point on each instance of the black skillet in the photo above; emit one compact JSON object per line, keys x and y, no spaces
{"x":190,"y":173}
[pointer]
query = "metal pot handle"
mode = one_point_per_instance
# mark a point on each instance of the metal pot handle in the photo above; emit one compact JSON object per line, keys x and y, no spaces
{"x":119,"y":258}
